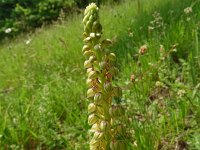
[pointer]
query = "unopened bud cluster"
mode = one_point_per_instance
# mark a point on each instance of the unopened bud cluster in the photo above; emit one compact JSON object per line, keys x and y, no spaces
{"x":107,"y":130}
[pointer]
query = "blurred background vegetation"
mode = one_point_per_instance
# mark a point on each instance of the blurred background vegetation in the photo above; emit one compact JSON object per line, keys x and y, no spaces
{"x":22,"y":15}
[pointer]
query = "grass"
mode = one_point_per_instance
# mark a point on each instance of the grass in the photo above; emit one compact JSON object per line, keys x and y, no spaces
{"x":43,"y":92}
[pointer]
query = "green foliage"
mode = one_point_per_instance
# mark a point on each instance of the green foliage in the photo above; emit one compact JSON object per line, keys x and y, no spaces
{"x":25,"y":14}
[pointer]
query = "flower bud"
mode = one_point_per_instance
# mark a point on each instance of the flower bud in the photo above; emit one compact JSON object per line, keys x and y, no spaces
{"x":91,"y":108}
{"x":91,"y":17}
{"x":90,"y":93}
{"x":98,"y":98}
{"x":85,"y":19}
{"x":95,"y":64}
{"x":106,"y":43}
{"x":92,"y":119}
{"x":85,"y":48}
{"x":87,"y":64}
{"x":88,"y":53}
{"x":87,"y":39}
{"x":95,"y":128}
{"x":92,"y":75}
{"x":96,"y":27}
{"x":103,"y":126}
{"x":97,"y":48}
{"x":112,"y":57}
{"x":98,"y":136}
{"x":89,"y":82}
{"x":89,"y":25}
{"x":89,"y":70}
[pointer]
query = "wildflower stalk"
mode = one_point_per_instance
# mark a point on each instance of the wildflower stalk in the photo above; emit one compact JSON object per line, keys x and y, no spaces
{"x":105,"y":116}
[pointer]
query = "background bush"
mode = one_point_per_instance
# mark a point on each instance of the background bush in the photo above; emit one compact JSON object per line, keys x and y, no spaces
{"x":21,"y":15}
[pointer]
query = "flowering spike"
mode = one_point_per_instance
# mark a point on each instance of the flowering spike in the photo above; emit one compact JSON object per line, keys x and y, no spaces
{"x":100,"y":71}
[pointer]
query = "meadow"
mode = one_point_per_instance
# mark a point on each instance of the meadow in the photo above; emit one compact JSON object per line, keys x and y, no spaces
{"x":43,"y":102}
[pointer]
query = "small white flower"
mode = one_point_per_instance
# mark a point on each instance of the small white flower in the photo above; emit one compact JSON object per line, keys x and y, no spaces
{"x":8,"y":30}
{"x":188,"y":10}
{"x":87,"y":39}
{"x":28,"y":41}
